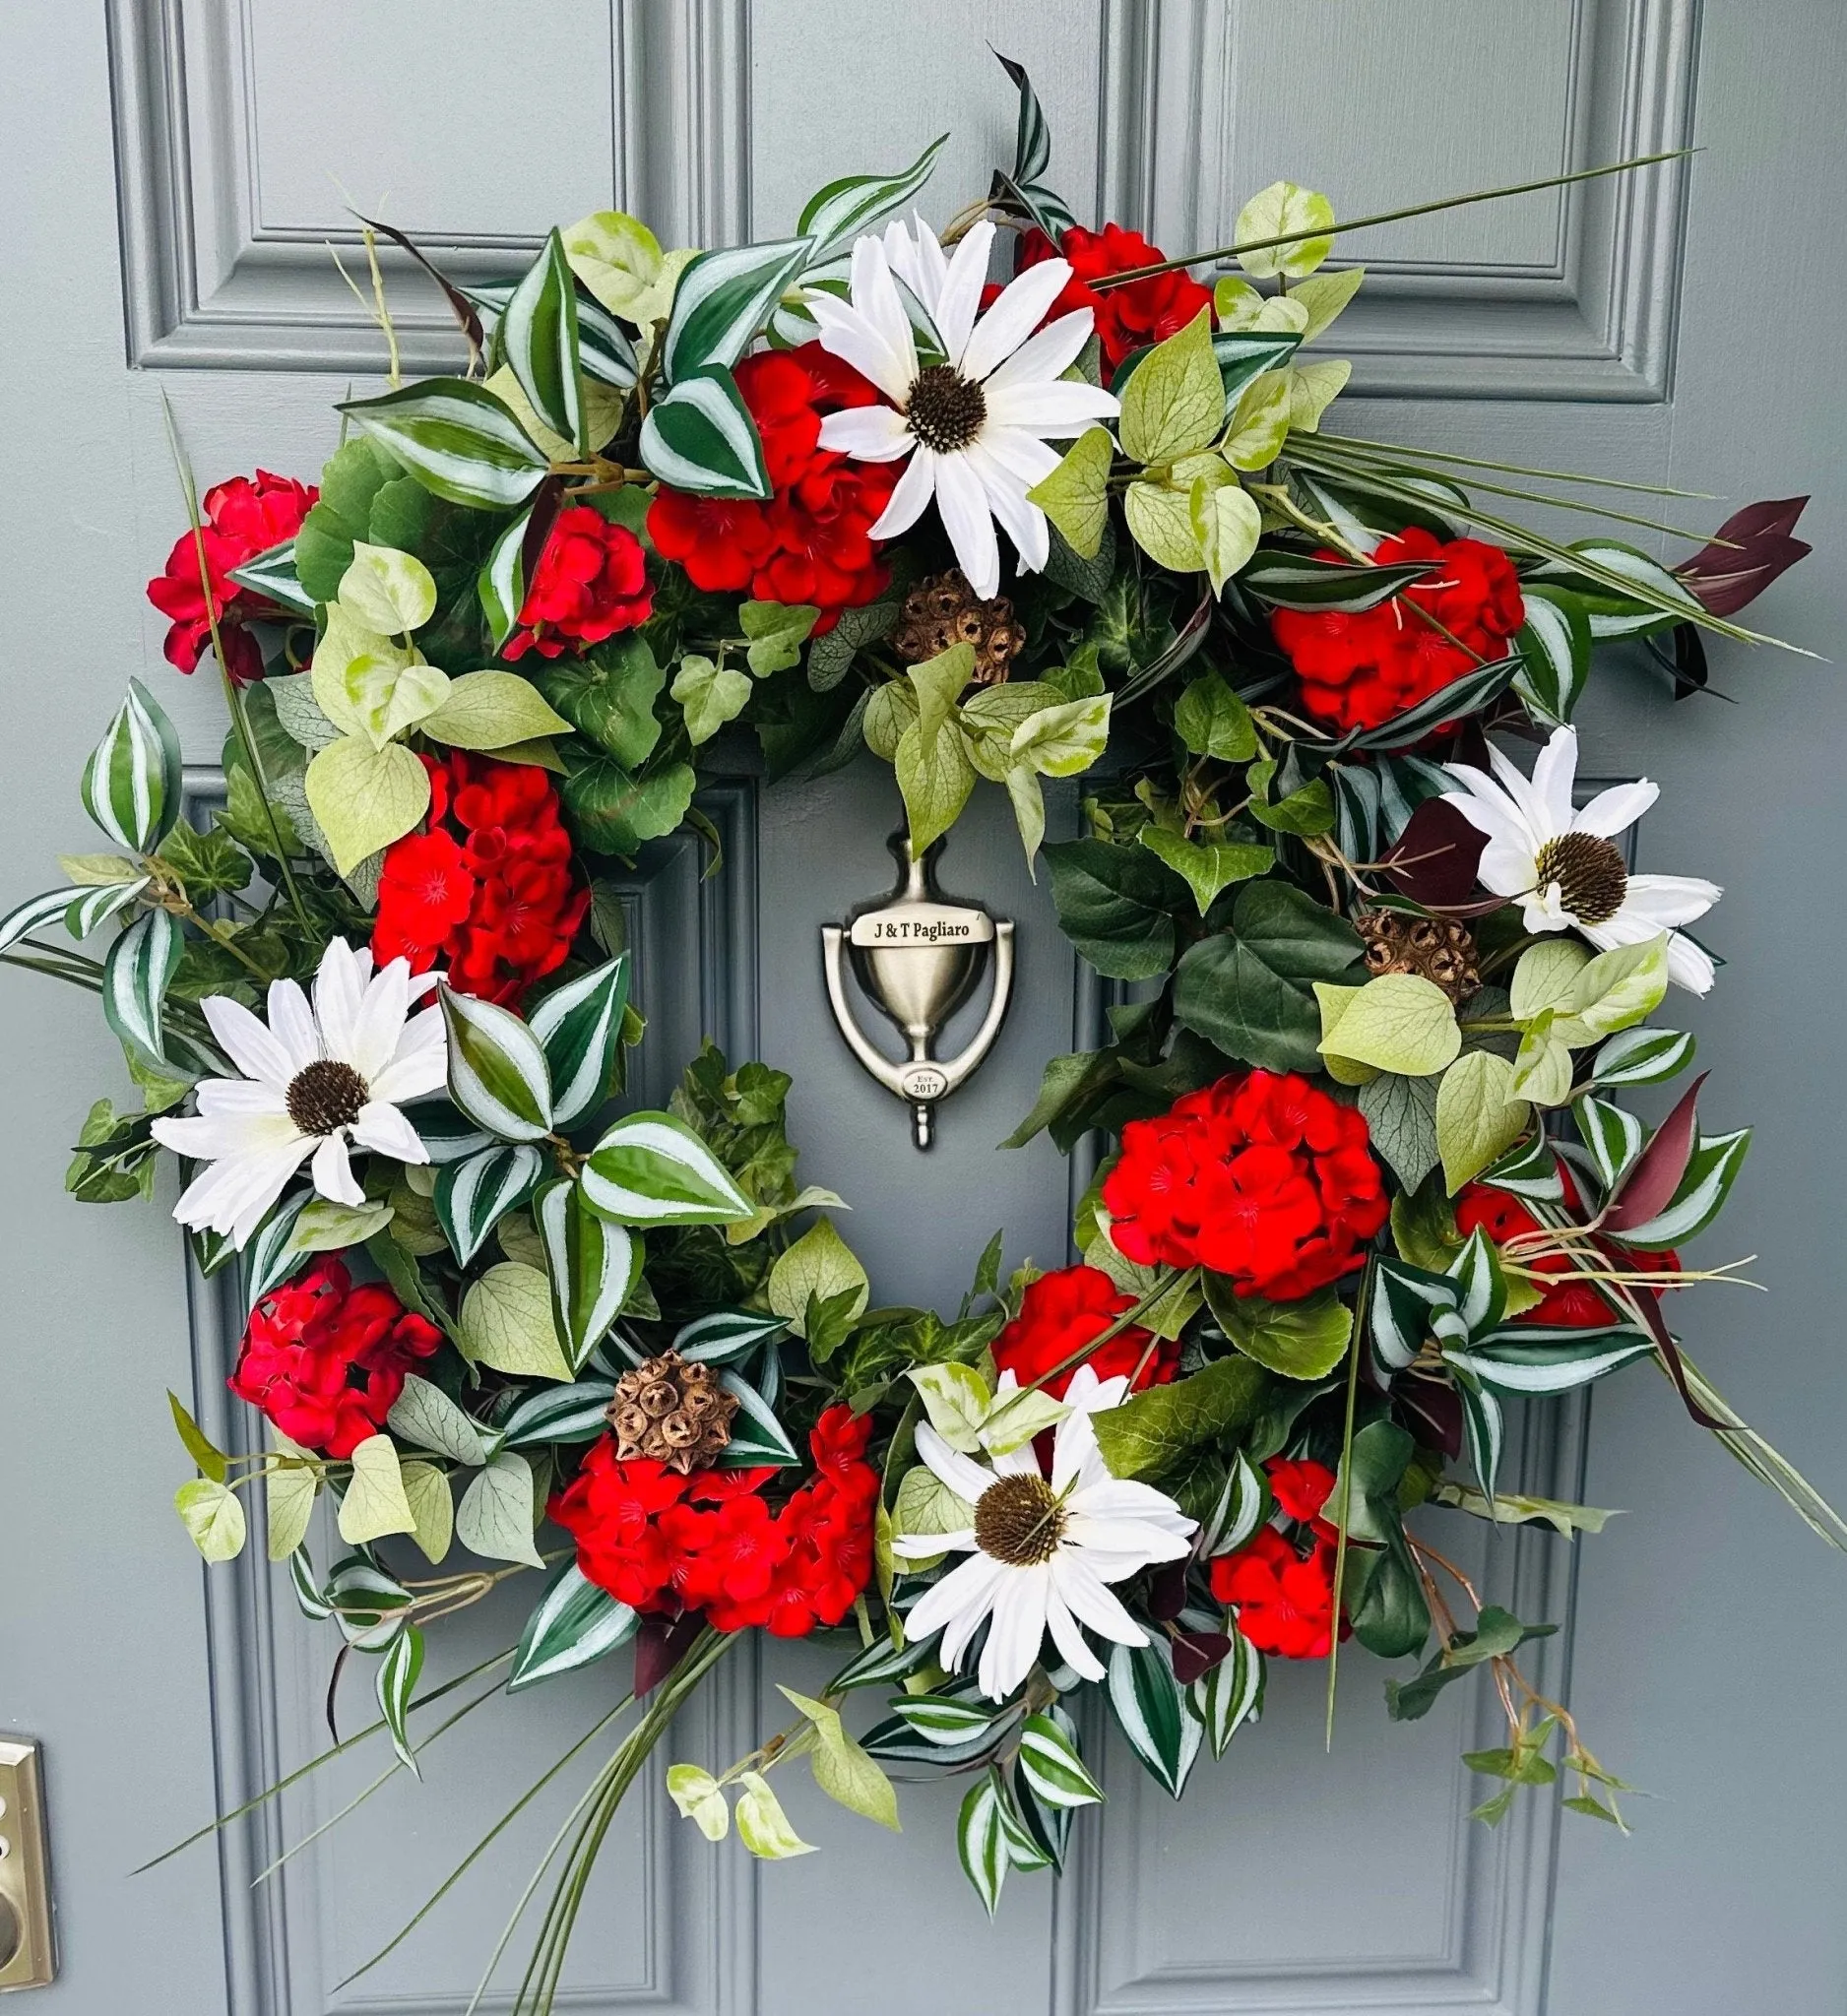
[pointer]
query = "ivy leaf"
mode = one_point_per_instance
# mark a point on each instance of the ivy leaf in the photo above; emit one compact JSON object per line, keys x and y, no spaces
{"x":820,"y":1264}
{"x":777,"y":632}
{"x":614,"y":810}
{"x":709,"y":695}
{"x":1248,"y":991}
{"x":1211,"y":721}
{"x":1118,"y":905}
{"x":1208,"y":867}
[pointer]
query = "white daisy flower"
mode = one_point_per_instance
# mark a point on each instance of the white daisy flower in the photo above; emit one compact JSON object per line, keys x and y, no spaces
{"x":976,"y":423}
{"x":1562,"y":864}
{"x":1041,"y":1551}
{"x":315,"y":1079}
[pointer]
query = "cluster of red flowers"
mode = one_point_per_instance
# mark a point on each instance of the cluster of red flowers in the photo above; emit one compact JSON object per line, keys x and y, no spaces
{"x":326,"y":1360}
{"x":1575,"y":1303}
{"x":1360,"y":670}
{"x":1262,"y":1179}
{"x":488,"y":889}
{"x":1127,"y":317}
{"x":811,"y":542}
{"x":241,"y":519}
{"x":666,"y":1543}
{"x":591,"y":580}
{"x":1285,"y":1599}
{"x":1060,"y":1313}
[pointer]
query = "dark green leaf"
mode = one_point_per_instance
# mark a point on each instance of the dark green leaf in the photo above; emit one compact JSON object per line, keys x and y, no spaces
{"x":1249,"y":991}
{"x":1118,"y":905}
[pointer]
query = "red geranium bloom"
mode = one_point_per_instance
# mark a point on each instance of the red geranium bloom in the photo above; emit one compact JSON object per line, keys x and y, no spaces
{"x":1301,"y":1488}
{"x":1575,"y":1303}
{"x":1127,"y":317}
{"x":1360,"y":670}
{"x":241,"y":519}
{"x":591,"y":580}
{"x":326,"y":1360}
{"x":1262,"y":1179}
{"x":1285,"y":1604}
{"x":1060,"y":1313}
{"x":811,"y":542}
{"x":490,"y":891}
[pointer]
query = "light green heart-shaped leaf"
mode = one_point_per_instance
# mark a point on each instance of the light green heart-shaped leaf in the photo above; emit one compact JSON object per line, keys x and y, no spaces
{"x":1075,"y":496}
{"x":374,"y":1504}
{"x":1284,"y":210}
{"x":1478,"y":1115}
{"x":491,"y":710}
{"x":1174,"y":400}
{"x":363,"y":798}
{"x":1400,"y":1022}
{"x":387,"y":591}
{"x":1226,"y":524}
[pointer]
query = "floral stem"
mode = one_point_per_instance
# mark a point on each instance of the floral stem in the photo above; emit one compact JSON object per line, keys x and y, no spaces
{"x":1170,"y":1280}
{"x":1346,"y":1489}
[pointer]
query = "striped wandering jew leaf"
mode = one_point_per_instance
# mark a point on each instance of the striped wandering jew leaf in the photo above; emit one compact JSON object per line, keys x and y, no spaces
{"x":1052,"y":1765}
{"x":1356,"y":811}
{"x":592,"y":1265}
{"x":1405,"y":1299}
{"x":880,"y":1664}
{"x":572,"y":1625}
{"x":1151,"y":1711}
{"x":603,"y":347}
{"x":726,"y":1336}
{"x":1484,"y":1428}
{"x":1529,"y":1358}
{"x":271,"y":1254}
{"x":1242,"y":1507}
{"x":981,"y":1841}
{"x":1711,"y":1170}
{"x":272,"y":575}
{"x":1641,"y":1056}
{"x":1296,"y":580}
{"x":793,"y":324}
{"x":837,"y":214}
{"x":398,"y":1674}
{"x":1625,"y":592}
{"x":1530,"y":1169}
{"x":473,"y":1196}
{"x":446,"y":1132}
{"x":96,"y":906}
{"x":559,"y":1414}
{"x":722,"y":300}
{"x":651,"y":1169}
{"x":757,"y":1437}
{"x":131,"y":785}
{"x":1555,"y":645}
{"x":943,"y":1722}
{"x":497,"y":1074}
{"x":1464,"y":696}
{"x":1023,"y":1849}
{"x":457,"y":440}
{"x":308,"y":1598}
{"x":1613,"y":1137}
{"x":1048,"y":1826}
{"x":1229,"y":1694}
{"x":501,"y":583}
{"x":135,"y":976}
{"x":615,"y":1356}
{"x":767,"y":1376}
{"x":369,"y":1605}
{"x":700,"y":438}
{"x":896,"y":1742}
{"x":1481,"y":1287}
{"x":33,"y":915}
{"x":1032,"y":156}
{"x":539,"y":333}
{"x":580,"y":1026}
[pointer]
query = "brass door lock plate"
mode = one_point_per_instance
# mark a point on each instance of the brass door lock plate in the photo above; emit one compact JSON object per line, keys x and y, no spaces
{"x":27,"y":1956}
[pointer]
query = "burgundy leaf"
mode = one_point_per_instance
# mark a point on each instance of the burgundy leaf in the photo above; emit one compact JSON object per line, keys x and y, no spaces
{"x":1435,"y":859}
{"x":1658,"y":1170}
{"x":1166,"y":1591}
{"x":1197,"y":1652}
{"x":1434,"y":1413}
{"x":659,"y":1645}
{"x":1748,"y":553}
{"x":1651,"y":1315}
{"x":460,"y":307}
{"x":548,"y":502}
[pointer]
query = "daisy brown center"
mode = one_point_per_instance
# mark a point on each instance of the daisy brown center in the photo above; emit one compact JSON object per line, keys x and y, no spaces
{"x":325,"y":1095}
{"x":945,"y":409}
{"x":1019,"y":1520}
{"x":1589,"y":871}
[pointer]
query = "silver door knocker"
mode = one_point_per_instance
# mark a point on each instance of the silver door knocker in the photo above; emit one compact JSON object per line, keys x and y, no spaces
{"x":917,"y":955}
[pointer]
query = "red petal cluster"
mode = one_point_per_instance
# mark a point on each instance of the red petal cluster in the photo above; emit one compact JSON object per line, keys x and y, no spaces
{"x":811,"y":542}
{"x":1575,"y":1303}
{"x":1285,"y":1600}
{"x":1359,"y":671}
{"x":1128,"y":317}
{"x":1060,"y":1313}
{"x":591,"y":580}
{"x":666,"y":1543}
{"x":488,"y":889}
{"x":241,"y":519}
{"x":326,"y":1360}
{"x":1262,"y":1179}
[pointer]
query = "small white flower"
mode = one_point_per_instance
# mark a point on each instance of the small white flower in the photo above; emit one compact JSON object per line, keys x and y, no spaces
{"x":1041,"y":1551}
{"x":314,"y":1080}
{"x":976,"y":420}
{"x":1562,"y":865}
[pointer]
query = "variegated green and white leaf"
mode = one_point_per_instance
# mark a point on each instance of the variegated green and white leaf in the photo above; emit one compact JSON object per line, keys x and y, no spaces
{"x":834,"y":217}
{"x":1660,"y":597}
{"x":539,"y":333}
{"x":1554,"y":647}
{"x":308,"y":1597}
{"x":370,"y":1606}
{"x":96,"y":906}
{"x":895,"y":1742}
{"x":757,"y":1437}
{"x":572,"y":1625}
{"x":651,"y":1169}
{"x":1613,"y":1137}
{"x":497,"y":1072}
{"x":879,"y":1665}
{"x":946,"y":1723}
{"x":135,"y":978}
{"x":700,"y":438}
{"x":131,"y":785}
{"x":1032,"y":156}
{"x":272,"y":575}
{"x":1243,"y":1506}
{"x":1481,"y":1287}
{"x":1529,"y":1169}
{"x":475,"y":1195}
{"x":981,"y":1841}
{"x":1024,"y":1849}
{"x":1048,"y":1757}
{"x":1406,"y":1302}
{"x":271,"y":1254}
{"x":33,"y":915}
{"x":501,"y":583}
{"x":726,"y":1336}
{"x":458,"y":441}
{"x":592,"y":1265}
{"x":722,"y":300}
{"x":1151,"y":1711}
{"x":560,"y":1413}
{"x":1526,"y":1357}
{"x":1229,"y":1694}
{"x":1299,"y":581}
{"x":398,"y":1674}
{"x":1711,"y":1170}
{"x":446,"y":1132}
{"x":1483,"y":1429}
{"x":580,"y":1026}
{"x":1642,"y":1056}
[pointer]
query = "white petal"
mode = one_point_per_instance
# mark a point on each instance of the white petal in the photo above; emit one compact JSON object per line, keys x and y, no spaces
{"x":1689,"y":965}
{"x":1091,"y":1604}
{"x":246,"y":1042}
{"x":384,"y":1128}
{"x":848,"y":334}
{"x":871,"y":433}
{"x":1555,"y":772}
{"x":918,"y":260}
{"x":965,"y":1590}
{"x":1668,"y":900}
{"x":420,"y":1063}
{"x":925,"y":1547}
{"x":875,"y":296}
{"x":909,"y":500}
{"x":1506,"y":868}
{"x":1020,"y":309}
{"x":1026,"y":523}
{"x":961,"y":293}
{"x":291,"y":1022}
{"x":333,"y":1173}
{"x":1020,"y":1462}
{"x":1069,"y":1639}
{"x":962,"y":1474}
{"x":339,"y":989}
{"x":242,"y":1097}
{"x":1024,"y":456}
{"x":216,"y":1137}
{"x":1611,"y":811}
{"x":1017,"y":1632}
{"x":1113,"y":1497}
{"x":231,"y":1190}
{"x":1531,"y":806}
{"x":378,"y":1026}
{"x":1043,"y":357}
{"x":1545,"y":910}
{"x":1138,"y":1541}
{"x":962,"y":504}
{"x":1061,"y":408}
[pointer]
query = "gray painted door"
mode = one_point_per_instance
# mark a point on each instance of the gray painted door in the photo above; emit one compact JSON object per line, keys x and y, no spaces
{"x":171,"y":171}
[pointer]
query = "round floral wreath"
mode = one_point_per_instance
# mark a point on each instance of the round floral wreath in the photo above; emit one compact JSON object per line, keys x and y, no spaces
{"x":1373,"y":1170}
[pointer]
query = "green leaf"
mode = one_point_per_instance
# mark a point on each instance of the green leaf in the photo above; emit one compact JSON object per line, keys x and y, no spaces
{"x":982,"y":1842}
{"x":619,"y":260}
{"x":1555,"y":645}
{"x":131,"y":785}
{"x":537,"y":330}
{"x":397,"y":1678}
{"x":935,"y":778}
{"x":374,"y":1503}
{"x":208,"y":863}
{"x":1478,"y":1115}
{"x":700,"y":1799}
{"x":1211,"y":721}
{"x":572,"y":1625}
{"x":841,"y":1769}
{"x":1399,"y":1022}
{"x":492,"y":711}
{"x":613,"y":812}
{"x":135,"y":976}
{"x":363,"y":798}
{"x":1285,"y":210}
{"x":820,"y":1264}
{"x":835,"y":216}
{"x":579,"y":1027}
{"x":762,"y":1825}
{"x":1248,"y":991}
{"x":709,"y":695}
{"x":424,"y":1416}
{"x":1064,"y":741}
{"x":957,"y":1398}
{"x":1308,"y":809}
{"x":1160,"y":515}
{"x":498,"y":1076}
{"x":1174,"y":404}
{"x":700,"y":438}
{"x":591,"y":1263}
{"x":1401,"y":1118}
{"x":649,"y":1168}
{"x":288,"y":1494}
{"x":474,"y":1194}
{"x":214,"y":1515}
{"x":506,"y":1323}
{"x":1075,"y":495}
{"x":1324,"y":296}
{"x":495,"y":1516}
{"x":609,"y":695}
{"x":1510,"y":1509}
{"x":1226,"y":524}
{"x":1116,"y":904}
{"x":1301,"y":1340}
{"x":1151,"y":1711}
{"x":1259,"y":425}
{"x":1642,"y":1056}
{"x":924,"y":1507}
{"x":199,"y":1445}
{"x":459,"y":441}
{"x":1152,"y":1432}
{"x":777,"y":632}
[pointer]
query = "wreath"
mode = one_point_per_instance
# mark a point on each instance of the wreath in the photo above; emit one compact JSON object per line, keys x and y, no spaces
{"x":1387,"y":991}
